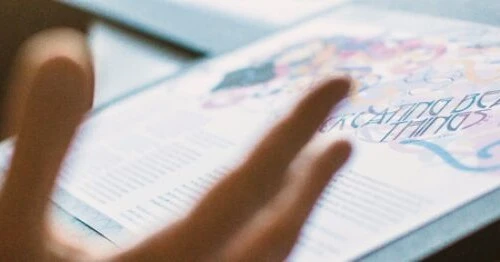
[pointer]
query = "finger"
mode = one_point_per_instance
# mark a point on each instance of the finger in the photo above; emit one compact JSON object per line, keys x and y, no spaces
{"x":59,"y":78}
{"x":231,"y":202}
{"x":280,"y":146}
{"x":273,"y":233}
{"x":261,"y":176}
{"x":34,"y":52}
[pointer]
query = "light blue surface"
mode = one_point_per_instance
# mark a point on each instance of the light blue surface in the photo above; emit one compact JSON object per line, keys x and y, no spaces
{"x":203,"y":31}
{"x":484,"y":11}
{"x":212,"y":32}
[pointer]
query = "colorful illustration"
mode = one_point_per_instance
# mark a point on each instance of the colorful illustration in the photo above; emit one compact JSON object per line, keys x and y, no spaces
{"x":410,"y":93}
{"x":369,"y":61}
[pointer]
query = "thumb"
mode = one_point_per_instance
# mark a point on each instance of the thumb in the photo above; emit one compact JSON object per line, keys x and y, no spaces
{"x":55,"y":74}
{"x":33,"y":54}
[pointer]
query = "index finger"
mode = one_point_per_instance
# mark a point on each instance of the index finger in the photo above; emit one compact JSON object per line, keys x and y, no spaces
{"x":261,"y":176}
{"x":234,"y":200}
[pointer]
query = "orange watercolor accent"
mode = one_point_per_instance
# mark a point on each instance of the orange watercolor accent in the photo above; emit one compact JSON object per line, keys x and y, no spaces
{"x":385,"y":94}
{"x":470,"y":73}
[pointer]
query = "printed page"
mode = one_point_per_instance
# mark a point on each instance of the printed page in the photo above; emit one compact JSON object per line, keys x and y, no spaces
{"x":423,"y":118}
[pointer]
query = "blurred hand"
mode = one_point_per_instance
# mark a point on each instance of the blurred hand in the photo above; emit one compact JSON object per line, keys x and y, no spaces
{"x":254,"y":213}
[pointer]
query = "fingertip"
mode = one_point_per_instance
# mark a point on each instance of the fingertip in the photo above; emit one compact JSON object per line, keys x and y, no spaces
{"x":58,"y":83}
{"x":335,"y":87}
{"x":316,"y":105}
{"x":62,"y":80}
{"x":327,"y":94}
{"x":59,"y":51}
{"x":344,"y":146}
{"x":55,"y":106}
{"x":38,"y":51}
{"x":342,"y":149}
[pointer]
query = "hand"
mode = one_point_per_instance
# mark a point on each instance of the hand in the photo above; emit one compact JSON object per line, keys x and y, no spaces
{"x":254,"y":213}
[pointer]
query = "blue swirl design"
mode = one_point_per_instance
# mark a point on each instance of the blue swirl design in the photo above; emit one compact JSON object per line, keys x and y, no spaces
{"x":483,"y":153}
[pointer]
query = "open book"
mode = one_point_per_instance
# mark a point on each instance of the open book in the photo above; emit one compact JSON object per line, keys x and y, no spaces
{"x":424,"y":119}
